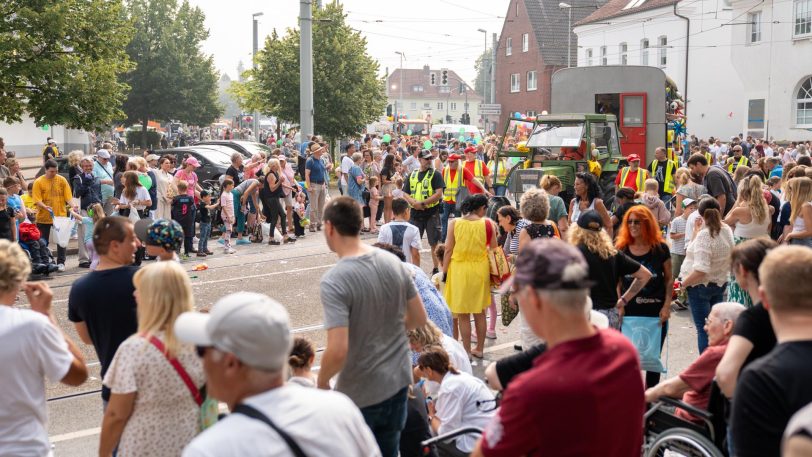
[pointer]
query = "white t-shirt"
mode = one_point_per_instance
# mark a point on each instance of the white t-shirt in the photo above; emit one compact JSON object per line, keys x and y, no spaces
{"x":457,"y":355}
{"x":346,"y":164}
{"x":689,"y":227}
{"x":31,"y":348}
{"x":401,"y":234}
{"x":456,"y":407}
{"x":141,"y":194}
{"x":323,"y":423}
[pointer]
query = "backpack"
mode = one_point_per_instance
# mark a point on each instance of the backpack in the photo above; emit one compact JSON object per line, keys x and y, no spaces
{"x":29,"y":232}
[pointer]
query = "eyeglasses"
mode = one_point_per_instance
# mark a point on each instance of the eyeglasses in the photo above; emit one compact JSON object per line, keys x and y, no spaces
{"x":634,"y":222}
{"x":201,"y":350}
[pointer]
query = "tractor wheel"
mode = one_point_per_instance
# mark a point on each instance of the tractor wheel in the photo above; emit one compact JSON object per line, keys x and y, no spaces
{"x":607,"y":185}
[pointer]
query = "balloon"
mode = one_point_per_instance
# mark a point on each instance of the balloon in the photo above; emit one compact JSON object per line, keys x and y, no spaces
{"x":462,"y":130}
{"x":475,"y":141}
{"x":409,"y":132}
{"x":427,"y":144}
{"x":386,"y":138}
{"x":279,"y":142}
{"x":461,"y":138}
{"x":517,"y":114}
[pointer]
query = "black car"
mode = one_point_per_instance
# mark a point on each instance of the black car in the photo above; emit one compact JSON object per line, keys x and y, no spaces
{"x":213,"y":163}
{"x":247,"y":148}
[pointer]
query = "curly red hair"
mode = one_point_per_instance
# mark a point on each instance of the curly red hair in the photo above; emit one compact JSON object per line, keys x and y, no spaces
{"x":649,"y":229}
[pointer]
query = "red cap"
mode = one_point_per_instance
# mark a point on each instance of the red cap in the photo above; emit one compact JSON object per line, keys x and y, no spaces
{"x":453,"y":157}
{"x":469,"y":149}
{"x":633,"y":158}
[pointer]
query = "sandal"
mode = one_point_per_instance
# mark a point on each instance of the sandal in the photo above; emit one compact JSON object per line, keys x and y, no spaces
{"x":478,"y":355}
{"x":373,"y":232}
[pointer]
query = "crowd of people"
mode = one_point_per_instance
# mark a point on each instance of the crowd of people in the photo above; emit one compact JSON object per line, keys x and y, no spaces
{"x":401,"y":341}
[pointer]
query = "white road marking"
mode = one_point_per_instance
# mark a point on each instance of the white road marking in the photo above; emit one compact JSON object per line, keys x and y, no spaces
{"x":75,"y":435}
{"x":273,"y":273}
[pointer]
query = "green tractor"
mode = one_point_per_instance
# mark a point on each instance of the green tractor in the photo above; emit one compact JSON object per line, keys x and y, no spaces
{"x":560,"y":145}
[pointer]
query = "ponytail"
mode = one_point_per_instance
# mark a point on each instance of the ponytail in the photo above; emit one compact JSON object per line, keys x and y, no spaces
{"x":711,"y":212}
{"x":436,"y":358}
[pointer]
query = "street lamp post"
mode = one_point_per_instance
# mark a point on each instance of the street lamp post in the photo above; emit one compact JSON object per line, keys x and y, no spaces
{"x":254,"y":59}
{"x":400,"y":97}
{"x":567,"y":6}
{"x":484,"y":84}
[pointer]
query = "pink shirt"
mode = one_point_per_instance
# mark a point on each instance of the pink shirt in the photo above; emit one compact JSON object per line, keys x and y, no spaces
{"x":227,"y":207}
{"x":191,"y":180}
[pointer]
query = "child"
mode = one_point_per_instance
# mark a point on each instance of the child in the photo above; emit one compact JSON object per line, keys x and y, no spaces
{"x":94,"y":214}
{"x":651,"y":198}
{"x":437,"y":278}
{"x":375,"y":198}
{"x":300,"y":221}
{"x":205,"y":223}
{"x":182,"y":212}
{"x":679,"y":243}
{"x":227,"y":213}
{"x":8,"y":229}
{"x":301,"y":360}
{"x":164,"y":239}
{"x":399,"y":232}
{"x":397,"y":192}
{"x":28,"y":201}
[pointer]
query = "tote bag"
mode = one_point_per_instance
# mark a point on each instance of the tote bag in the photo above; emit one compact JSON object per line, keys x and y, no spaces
{"x":646,"y":334}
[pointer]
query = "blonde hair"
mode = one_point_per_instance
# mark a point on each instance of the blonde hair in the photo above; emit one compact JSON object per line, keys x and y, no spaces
{"x":597,"y":242}
{"x":651,"y":184}
{"x":164,"y":292}
{"x":14,"y":266}
{"x":779,"y":274}
{"x":751,"y":194}
{"x":550,"y":181}
{"x":800,"y":192}
{"x":270,"y":165}
{"x":74,"y":157}
{"x":425,"y":336}
{"x":98,"y":212}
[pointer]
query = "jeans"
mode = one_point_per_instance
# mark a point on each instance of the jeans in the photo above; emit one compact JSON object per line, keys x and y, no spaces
{"x":445,"y":212}
{"x":701,"y":298}
{"x":80,"y":231}
{"x":45,"y":234}
{"x":386,"y":420}
{"x":203,"y":238}
{"x":499,"y":190}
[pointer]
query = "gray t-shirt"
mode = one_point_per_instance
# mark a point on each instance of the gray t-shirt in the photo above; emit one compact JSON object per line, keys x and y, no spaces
{"x":368,"y":294}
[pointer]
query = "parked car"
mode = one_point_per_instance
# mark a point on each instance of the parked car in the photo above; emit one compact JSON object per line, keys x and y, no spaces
{"x":62,"y":167}
{"x":247,"y":148}
{"x":213,"y":163}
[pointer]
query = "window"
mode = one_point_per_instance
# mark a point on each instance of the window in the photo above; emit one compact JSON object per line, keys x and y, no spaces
{"x":509,"y":47}
{"x":453,"y":106}
{"x":414,"y":105}
{"x":525,"y":42}
{"x":440,"y":105}
{"x":531,"y":113}
{"x":517,"y":9}
{"x":755,"y":118}
{"x":417,"y":88}
{"x":589,"y":57}
{"x":644,"y":51}
{"x":803,"y":104}
{"x":515,"y":84}
{"x":662,"y":48}
{"x":624,"y":53}
{"x":754,"y":27}
{"x":532,"y":81}
{"x":426,"y":105}
{"x":802,"y":17}
{"x":604,"y":60}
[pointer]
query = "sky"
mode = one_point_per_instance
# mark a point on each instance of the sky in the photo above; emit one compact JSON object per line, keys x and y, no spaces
{"x":438,"y":33}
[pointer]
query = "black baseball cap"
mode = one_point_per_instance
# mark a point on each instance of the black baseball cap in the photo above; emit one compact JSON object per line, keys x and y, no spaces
{"x":590,"y":220}
{"x":550,"y":264}
{"x":426,"y":154}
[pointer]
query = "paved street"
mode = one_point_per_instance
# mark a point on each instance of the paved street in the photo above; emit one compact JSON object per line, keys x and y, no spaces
{"x":290,"y":274}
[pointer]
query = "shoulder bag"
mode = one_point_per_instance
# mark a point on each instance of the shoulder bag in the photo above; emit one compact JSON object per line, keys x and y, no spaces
{"x":254,"y":413}
{"x":499,"y":267}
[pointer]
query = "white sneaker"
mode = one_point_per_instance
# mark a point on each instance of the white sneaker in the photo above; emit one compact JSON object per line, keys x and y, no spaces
{"x":60,"y":267}
{"x":230,"y":251}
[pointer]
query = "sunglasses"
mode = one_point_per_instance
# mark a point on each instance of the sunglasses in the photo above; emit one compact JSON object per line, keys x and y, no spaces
{"x":201,"y":350}
{"x":634,"y":222}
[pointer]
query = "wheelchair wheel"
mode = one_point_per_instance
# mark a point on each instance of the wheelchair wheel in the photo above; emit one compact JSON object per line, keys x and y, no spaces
{"x":681,"y":442}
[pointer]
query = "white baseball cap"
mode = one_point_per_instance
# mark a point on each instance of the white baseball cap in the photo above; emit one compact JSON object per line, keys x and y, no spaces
{"x":103,"y":153}
{"x":252,"y":326}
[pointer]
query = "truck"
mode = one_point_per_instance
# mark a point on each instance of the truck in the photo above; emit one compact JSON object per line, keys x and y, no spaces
{"x":616,"y":110}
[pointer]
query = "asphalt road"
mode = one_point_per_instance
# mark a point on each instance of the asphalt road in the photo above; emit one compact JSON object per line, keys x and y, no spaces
{"x":290,"y":274}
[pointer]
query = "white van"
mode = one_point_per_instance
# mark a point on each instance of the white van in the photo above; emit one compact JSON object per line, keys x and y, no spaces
{"x":454,"y":131}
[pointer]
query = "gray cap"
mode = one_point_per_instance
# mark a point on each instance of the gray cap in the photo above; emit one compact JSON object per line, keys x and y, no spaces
{"x":551,"y":264}
{"x":252,"y":326}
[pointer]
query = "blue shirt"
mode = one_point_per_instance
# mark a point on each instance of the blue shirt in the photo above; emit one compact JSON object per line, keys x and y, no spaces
{"x":777,"y":171}
{"x":103,"y":173}
{"x":318,"y":173}
{"x":355,"y":190}
{"x":303,"y":149}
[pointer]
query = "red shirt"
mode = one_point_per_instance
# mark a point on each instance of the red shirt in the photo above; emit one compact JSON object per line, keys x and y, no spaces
{"x":471,"y":168}
{"x":631,"y":179}
{"x":467,"y":178}
{"x":581,"y":398}
{"x":699,"y":377}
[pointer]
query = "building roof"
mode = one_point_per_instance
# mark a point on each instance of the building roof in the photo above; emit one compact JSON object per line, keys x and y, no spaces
{"x":617,"y":8}
{"x":550,"y":23}
{"x":422,"y":77}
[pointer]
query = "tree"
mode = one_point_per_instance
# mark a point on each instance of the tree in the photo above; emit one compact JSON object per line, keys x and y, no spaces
{"x":173,"y":79}
{"x":227,"y":101}
{"x":61,"y":61}
{"x":482,"y":84}
{"x":347,"y":92}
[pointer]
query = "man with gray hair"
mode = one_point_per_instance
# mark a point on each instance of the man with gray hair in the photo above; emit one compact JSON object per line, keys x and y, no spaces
{"x":244,"y":342}
{"x":693,"y":385}
{"x":586,"y":376}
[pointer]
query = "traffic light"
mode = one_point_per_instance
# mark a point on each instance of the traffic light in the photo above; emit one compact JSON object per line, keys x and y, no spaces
{"x":444,"y":77}
{"x":433,"y":79}
{"x":466,"y":118}
{"x":388,"y":110}
{"x":448,"y":118}
{"x":462,"y":87}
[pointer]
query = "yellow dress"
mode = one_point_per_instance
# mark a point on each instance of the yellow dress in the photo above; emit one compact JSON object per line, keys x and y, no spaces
{"x":467,"y":287}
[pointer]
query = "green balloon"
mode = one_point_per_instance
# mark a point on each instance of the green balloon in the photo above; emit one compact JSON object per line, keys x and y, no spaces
{"x":45,"y":128}
{"x":279,"y":142}
{"x":461,"y":138}
{"x":427,"y":144}
{"x":409,"y":132}
{"x":462,"y":130}
{"x":386,"y":138}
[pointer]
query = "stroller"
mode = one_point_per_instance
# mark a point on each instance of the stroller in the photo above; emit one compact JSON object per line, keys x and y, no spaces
{"x":42,"y":261}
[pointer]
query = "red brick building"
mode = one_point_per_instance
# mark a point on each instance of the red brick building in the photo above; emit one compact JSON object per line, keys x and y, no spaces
{"x":533,"y":46}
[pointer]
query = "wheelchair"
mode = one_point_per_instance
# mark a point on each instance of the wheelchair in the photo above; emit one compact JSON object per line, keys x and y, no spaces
{"x":666,"y":434}
{"x":445,"y":445}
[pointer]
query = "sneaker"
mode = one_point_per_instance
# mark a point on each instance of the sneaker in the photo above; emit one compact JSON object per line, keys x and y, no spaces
{"x":490,"y":334}
{"x":312,"y":228}
{"x":201,"y":254}
{"x":274,"y":243}
{"x":60,"y":267}
{"x":184,"y":257}
{"x":84,"y":265}
{"x":230,"y":251}
{"x":517,"y":347}
{"x":242,"y":241}
{"x":318,"y":227}
{"x":435,"y":271}
{"x":209,"y":252}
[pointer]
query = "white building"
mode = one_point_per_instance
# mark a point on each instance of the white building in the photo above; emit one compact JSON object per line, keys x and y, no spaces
{"x":27,"y":140}
{"x":772,"y":54}
{"x":421,"y":93}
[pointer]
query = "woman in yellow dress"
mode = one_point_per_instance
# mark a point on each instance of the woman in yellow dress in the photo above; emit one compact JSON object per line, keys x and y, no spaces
{"x":467,"y":271}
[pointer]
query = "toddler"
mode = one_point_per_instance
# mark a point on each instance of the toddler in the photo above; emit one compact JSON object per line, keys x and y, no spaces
{"x":300,"y":220}
{"x":164,"y":239}
{"x":227,"y":213}
{"x":94,"y":214}
{"x":203,"y":208}
{"x":397,"y":192}
{"x":651,"y":198}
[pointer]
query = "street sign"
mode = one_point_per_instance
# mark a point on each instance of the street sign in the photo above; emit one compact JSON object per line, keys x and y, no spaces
{"x":489,"y":108}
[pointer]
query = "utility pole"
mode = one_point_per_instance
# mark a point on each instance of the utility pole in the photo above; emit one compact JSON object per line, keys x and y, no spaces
{"x":400,"y":97}
{"x":493,"y":68}
{"x":306,"y":69}
{"x":254,"y":60}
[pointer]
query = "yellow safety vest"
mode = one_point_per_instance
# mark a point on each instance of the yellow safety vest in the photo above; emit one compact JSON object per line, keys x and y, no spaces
{"x":742,"y":162}
{"x":477,"y":168}
{"x":501,"y":176}
{"x":55,"y":148}
{"x":422,"y":190}
{"x":642,"y":175}
{"x":451,"y":186}
{"x":709,"y":158}
{"x":668,"y":185}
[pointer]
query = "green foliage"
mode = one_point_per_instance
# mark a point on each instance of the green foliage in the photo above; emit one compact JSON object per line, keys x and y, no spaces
{"x":61,"y":61}
{"x":136,"y":137}
{"x":173,"y":79}
{"x":482,"y":66}
{"x":347,"y":92}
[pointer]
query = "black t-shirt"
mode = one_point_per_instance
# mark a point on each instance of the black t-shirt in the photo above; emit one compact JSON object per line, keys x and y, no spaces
{"x":104,"y":301}
{"x":7,"y":223}
{"x":507,"y":368}
{"x":659,"y":175}
{"x":205,"y":216}
{"x":768,"y":393}
{"x":754,"y":325}
{"x":651,"y":299}
{"x":235,"y":174}
{"x":436,"y":183}
{"x":718,"y":182}
{"x":605,"y":274}
{"x":183,"y":211}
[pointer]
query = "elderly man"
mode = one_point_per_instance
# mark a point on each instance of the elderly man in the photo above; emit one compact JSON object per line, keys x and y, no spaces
{"x":103,"y":170}
{"x":316,"y":179}
{"x":739,"y":159}
{"x":244,"y":342}
{"x":586,"y":375}
{"x":694,"y":383}
{"x":480,"y":171}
